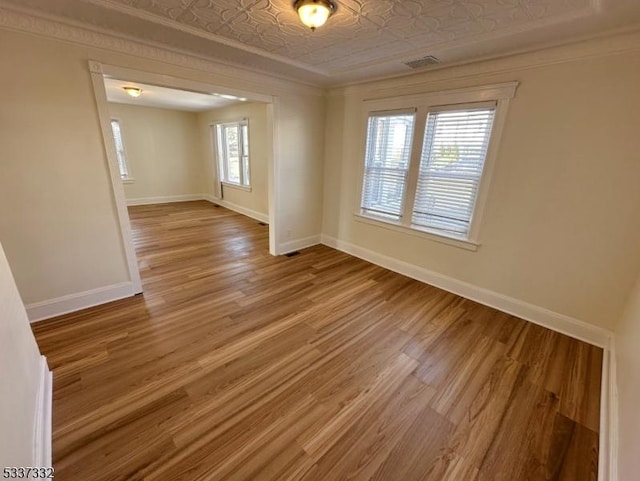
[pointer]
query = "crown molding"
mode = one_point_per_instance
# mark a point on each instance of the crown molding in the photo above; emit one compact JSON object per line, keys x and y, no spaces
{"x":150,"y":17}
{"x":592,"y":7}
{"x":23,"y":21}
{"x":444,"y":46}
{"x":614,"y":42}
{"x":28,"y":21}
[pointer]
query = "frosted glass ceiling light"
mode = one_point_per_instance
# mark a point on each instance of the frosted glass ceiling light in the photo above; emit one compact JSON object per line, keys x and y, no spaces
{"x":132,"y":91}
{"x":314,"y":13}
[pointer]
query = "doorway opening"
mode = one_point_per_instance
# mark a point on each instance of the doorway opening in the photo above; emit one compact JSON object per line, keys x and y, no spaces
{"x":176,"y":140}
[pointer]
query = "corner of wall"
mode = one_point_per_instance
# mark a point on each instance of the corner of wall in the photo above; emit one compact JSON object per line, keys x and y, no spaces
{"x":608,"y":442}
{"x":43,"y":418}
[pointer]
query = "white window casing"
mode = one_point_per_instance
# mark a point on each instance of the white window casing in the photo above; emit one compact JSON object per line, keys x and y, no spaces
{"x":232,"y":151}
{"x":428,"y":161}
{"x":387,"y":157}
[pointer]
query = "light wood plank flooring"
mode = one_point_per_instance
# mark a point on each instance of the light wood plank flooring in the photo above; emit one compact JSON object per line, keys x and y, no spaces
{"x":236,"y":365}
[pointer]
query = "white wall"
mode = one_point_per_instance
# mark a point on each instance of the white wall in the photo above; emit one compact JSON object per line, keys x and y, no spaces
{"x":162,"y":152}
{"x":20,"y":370}
{"x":260,"y":154}
{"x":58,"y":221}
{"x":628,"y":378}
{"x":561,"y":225}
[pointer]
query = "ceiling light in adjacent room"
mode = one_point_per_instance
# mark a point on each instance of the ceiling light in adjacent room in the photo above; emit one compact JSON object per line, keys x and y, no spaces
{"x":314,"y":13}
{"x":132,"y":91}
{"x":231,"y":97}
{"x":226,"y":96}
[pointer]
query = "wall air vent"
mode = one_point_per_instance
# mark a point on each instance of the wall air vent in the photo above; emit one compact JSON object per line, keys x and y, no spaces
{"x":422,"y":62}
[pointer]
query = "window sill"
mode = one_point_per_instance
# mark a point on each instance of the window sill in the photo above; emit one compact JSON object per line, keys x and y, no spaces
{"x":425,"y":234}
{"x":237,"y":186}
{"x":128,"y":180}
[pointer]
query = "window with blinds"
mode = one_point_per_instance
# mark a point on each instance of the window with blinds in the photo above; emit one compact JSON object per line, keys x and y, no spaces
{"x":453,"y":155}
{"x":388,"y":152}
{"x":117,"y":139}
{"x":443,"y":188}
{"x":233,"y":153}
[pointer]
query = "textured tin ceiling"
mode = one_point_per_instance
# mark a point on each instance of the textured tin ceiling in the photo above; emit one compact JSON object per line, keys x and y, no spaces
{"x":363,"y":38}
{"x":361,"y":30}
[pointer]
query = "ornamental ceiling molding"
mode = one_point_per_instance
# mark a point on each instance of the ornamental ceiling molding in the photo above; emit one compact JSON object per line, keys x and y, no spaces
{"x":590,"y":8}
{"x":153,"y":18}
{"x":359,"y":17}
{"x":70,"y":31}
{"x":614,"y":42}
{"x":262,"y":36}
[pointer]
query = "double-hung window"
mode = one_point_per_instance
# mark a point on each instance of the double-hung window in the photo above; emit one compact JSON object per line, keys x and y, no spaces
{"x":387,"y":163}
{"x":233,"y":153}
{"x":122,"y":161}
{"x":453,"y":155}
{"x":425,"y":167}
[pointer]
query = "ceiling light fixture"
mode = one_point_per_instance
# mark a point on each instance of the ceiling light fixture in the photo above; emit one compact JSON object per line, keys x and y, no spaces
{"x":133,"y":91}
{"x":314,"y":13}
{"x":231,"y":97}
{"x":226,"y":96}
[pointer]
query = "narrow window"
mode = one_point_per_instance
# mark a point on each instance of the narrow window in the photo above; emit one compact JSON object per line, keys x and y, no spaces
{"x":117,"y":138}
{"x":233,"y":153}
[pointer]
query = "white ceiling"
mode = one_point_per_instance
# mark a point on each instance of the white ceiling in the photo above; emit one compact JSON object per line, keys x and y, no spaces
{"x":364,"y":38}
{"x":163,"y":97}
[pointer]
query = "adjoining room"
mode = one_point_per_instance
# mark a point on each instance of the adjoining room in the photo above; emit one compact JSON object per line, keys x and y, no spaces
{"x":174,"y":145}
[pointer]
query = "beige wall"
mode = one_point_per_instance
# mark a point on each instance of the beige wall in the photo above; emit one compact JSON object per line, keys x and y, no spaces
{"x":162,"y":149}
{"x":260,"y":152}
{"x":628,"y":380}
{"x":57,"y":215}
{"x":58,"y":220}
{"x":301,"y":176}
{"x":561,"y":221}
{"x":20,"y":371}
{"x":561,"y":225}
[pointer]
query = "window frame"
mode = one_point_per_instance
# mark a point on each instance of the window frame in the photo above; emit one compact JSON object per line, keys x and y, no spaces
{"x":221,"y":161}
{"x":458,"y":99}
{"x":382,"y":114}
{"x":128,"y":179}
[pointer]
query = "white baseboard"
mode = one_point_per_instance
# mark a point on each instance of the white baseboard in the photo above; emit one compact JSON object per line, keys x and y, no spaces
{"x":538,"y":315}
{"x":165,"y":199}
{"x":254,"y":214}
{"x":43,"y":417}
{"x":211,"y":198}
{"x":297,"y":244}
{"x":259,"y":216}
{"x":39,"y":311}
{"x":608,"y":451}
{"x":608,"y":448}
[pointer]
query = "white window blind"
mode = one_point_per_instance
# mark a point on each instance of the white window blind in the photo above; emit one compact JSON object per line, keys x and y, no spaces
{"x":388,"y":151}
{"x":117,"y":138}
{"x":453,"y":155}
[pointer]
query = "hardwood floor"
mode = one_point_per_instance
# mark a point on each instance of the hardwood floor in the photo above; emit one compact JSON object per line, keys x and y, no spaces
{"x":236,"y":365}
